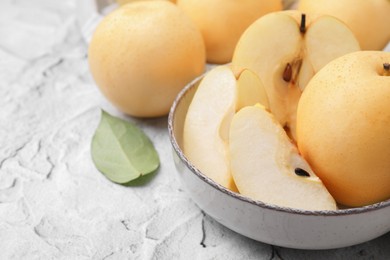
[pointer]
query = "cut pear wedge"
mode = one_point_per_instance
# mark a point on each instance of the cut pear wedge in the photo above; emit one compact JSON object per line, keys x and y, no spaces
{"x":206,"y":128}
{"x":250,"y":90}
{"x":267,"y":167}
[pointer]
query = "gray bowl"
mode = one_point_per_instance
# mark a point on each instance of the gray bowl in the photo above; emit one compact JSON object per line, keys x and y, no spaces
{"x":293,"y":228}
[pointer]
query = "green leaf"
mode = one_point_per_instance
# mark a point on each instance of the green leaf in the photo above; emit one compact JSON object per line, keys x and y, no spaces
{"x":121,"y":151}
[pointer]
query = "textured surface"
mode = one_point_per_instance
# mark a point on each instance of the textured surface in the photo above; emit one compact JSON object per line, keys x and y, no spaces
{"x":53,"y":202}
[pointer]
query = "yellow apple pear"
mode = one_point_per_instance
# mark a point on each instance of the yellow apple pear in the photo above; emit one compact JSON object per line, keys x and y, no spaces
{"x":220,"y":94}
{"x":368,"y":19}
{"x":142,"y":54}
{"x":343,"y":127}
{"x":222,"y":22}
{"x":286,"y":49}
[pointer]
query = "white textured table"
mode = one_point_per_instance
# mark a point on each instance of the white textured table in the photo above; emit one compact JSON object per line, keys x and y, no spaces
{"x":53,"y":202}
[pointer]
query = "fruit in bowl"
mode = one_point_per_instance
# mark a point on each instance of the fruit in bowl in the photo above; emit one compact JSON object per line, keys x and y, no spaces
{"x":206,"y":130}
{"x":266,"y":165}
{"x":343,"y":127}
{"x":265,"y":222}
{"x":256,"y":144}
{"x":286,"y":49}
{"x":226,"y":151}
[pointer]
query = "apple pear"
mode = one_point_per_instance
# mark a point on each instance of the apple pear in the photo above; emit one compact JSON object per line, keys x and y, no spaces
{"x":139,"y":60}
{"x":222,"y":22}
{"x":286,"y":49}
{"x":343,"y":127}
{"x":267,"y":167}
{"x":368,"y":20}
{"x":206,"y":128}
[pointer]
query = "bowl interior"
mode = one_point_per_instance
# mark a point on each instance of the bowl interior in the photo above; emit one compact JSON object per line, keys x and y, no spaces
{"x":176,"y":125}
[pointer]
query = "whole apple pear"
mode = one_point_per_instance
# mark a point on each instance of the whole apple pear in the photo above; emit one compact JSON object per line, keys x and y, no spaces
{"x":139,"y":60}
{"x":369,"y":20}
{"x":222,"y":22}
{"x":343,"y":127}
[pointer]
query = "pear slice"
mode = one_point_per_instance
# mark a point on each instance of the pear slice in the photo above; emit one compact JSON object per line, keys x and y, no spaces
{"x":286,"y":49}
{"x":250,"y":90}
{"x":206,"y":128}
{"x":267,"y":167}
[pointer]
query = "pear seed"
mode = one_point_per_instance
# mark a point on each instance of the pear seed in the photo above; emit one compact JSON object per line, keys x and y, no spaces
{"x":301,"y":172}
{"x":287,"y":74}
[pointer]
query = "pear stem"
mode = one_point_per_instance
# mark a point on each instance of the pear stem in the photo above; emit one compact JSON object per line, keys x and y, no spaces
{"x":386,"y":67}
{"x":302,"y":28}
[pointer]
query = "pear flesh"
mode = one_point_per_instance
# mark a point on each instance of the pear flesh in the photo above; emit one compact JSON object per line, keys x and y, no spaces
{"x":267,"y":167}
{"x":206,"y":128}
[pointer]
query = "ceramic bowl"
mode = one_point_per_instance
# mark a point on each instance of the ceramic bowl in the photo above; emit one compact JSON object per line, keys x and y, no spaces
{"x":293,"y":228}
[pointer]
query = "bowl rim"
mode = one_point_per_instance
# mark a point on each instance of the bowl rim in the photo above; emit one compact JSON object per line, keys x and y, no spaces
{"x":234,"y":195}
